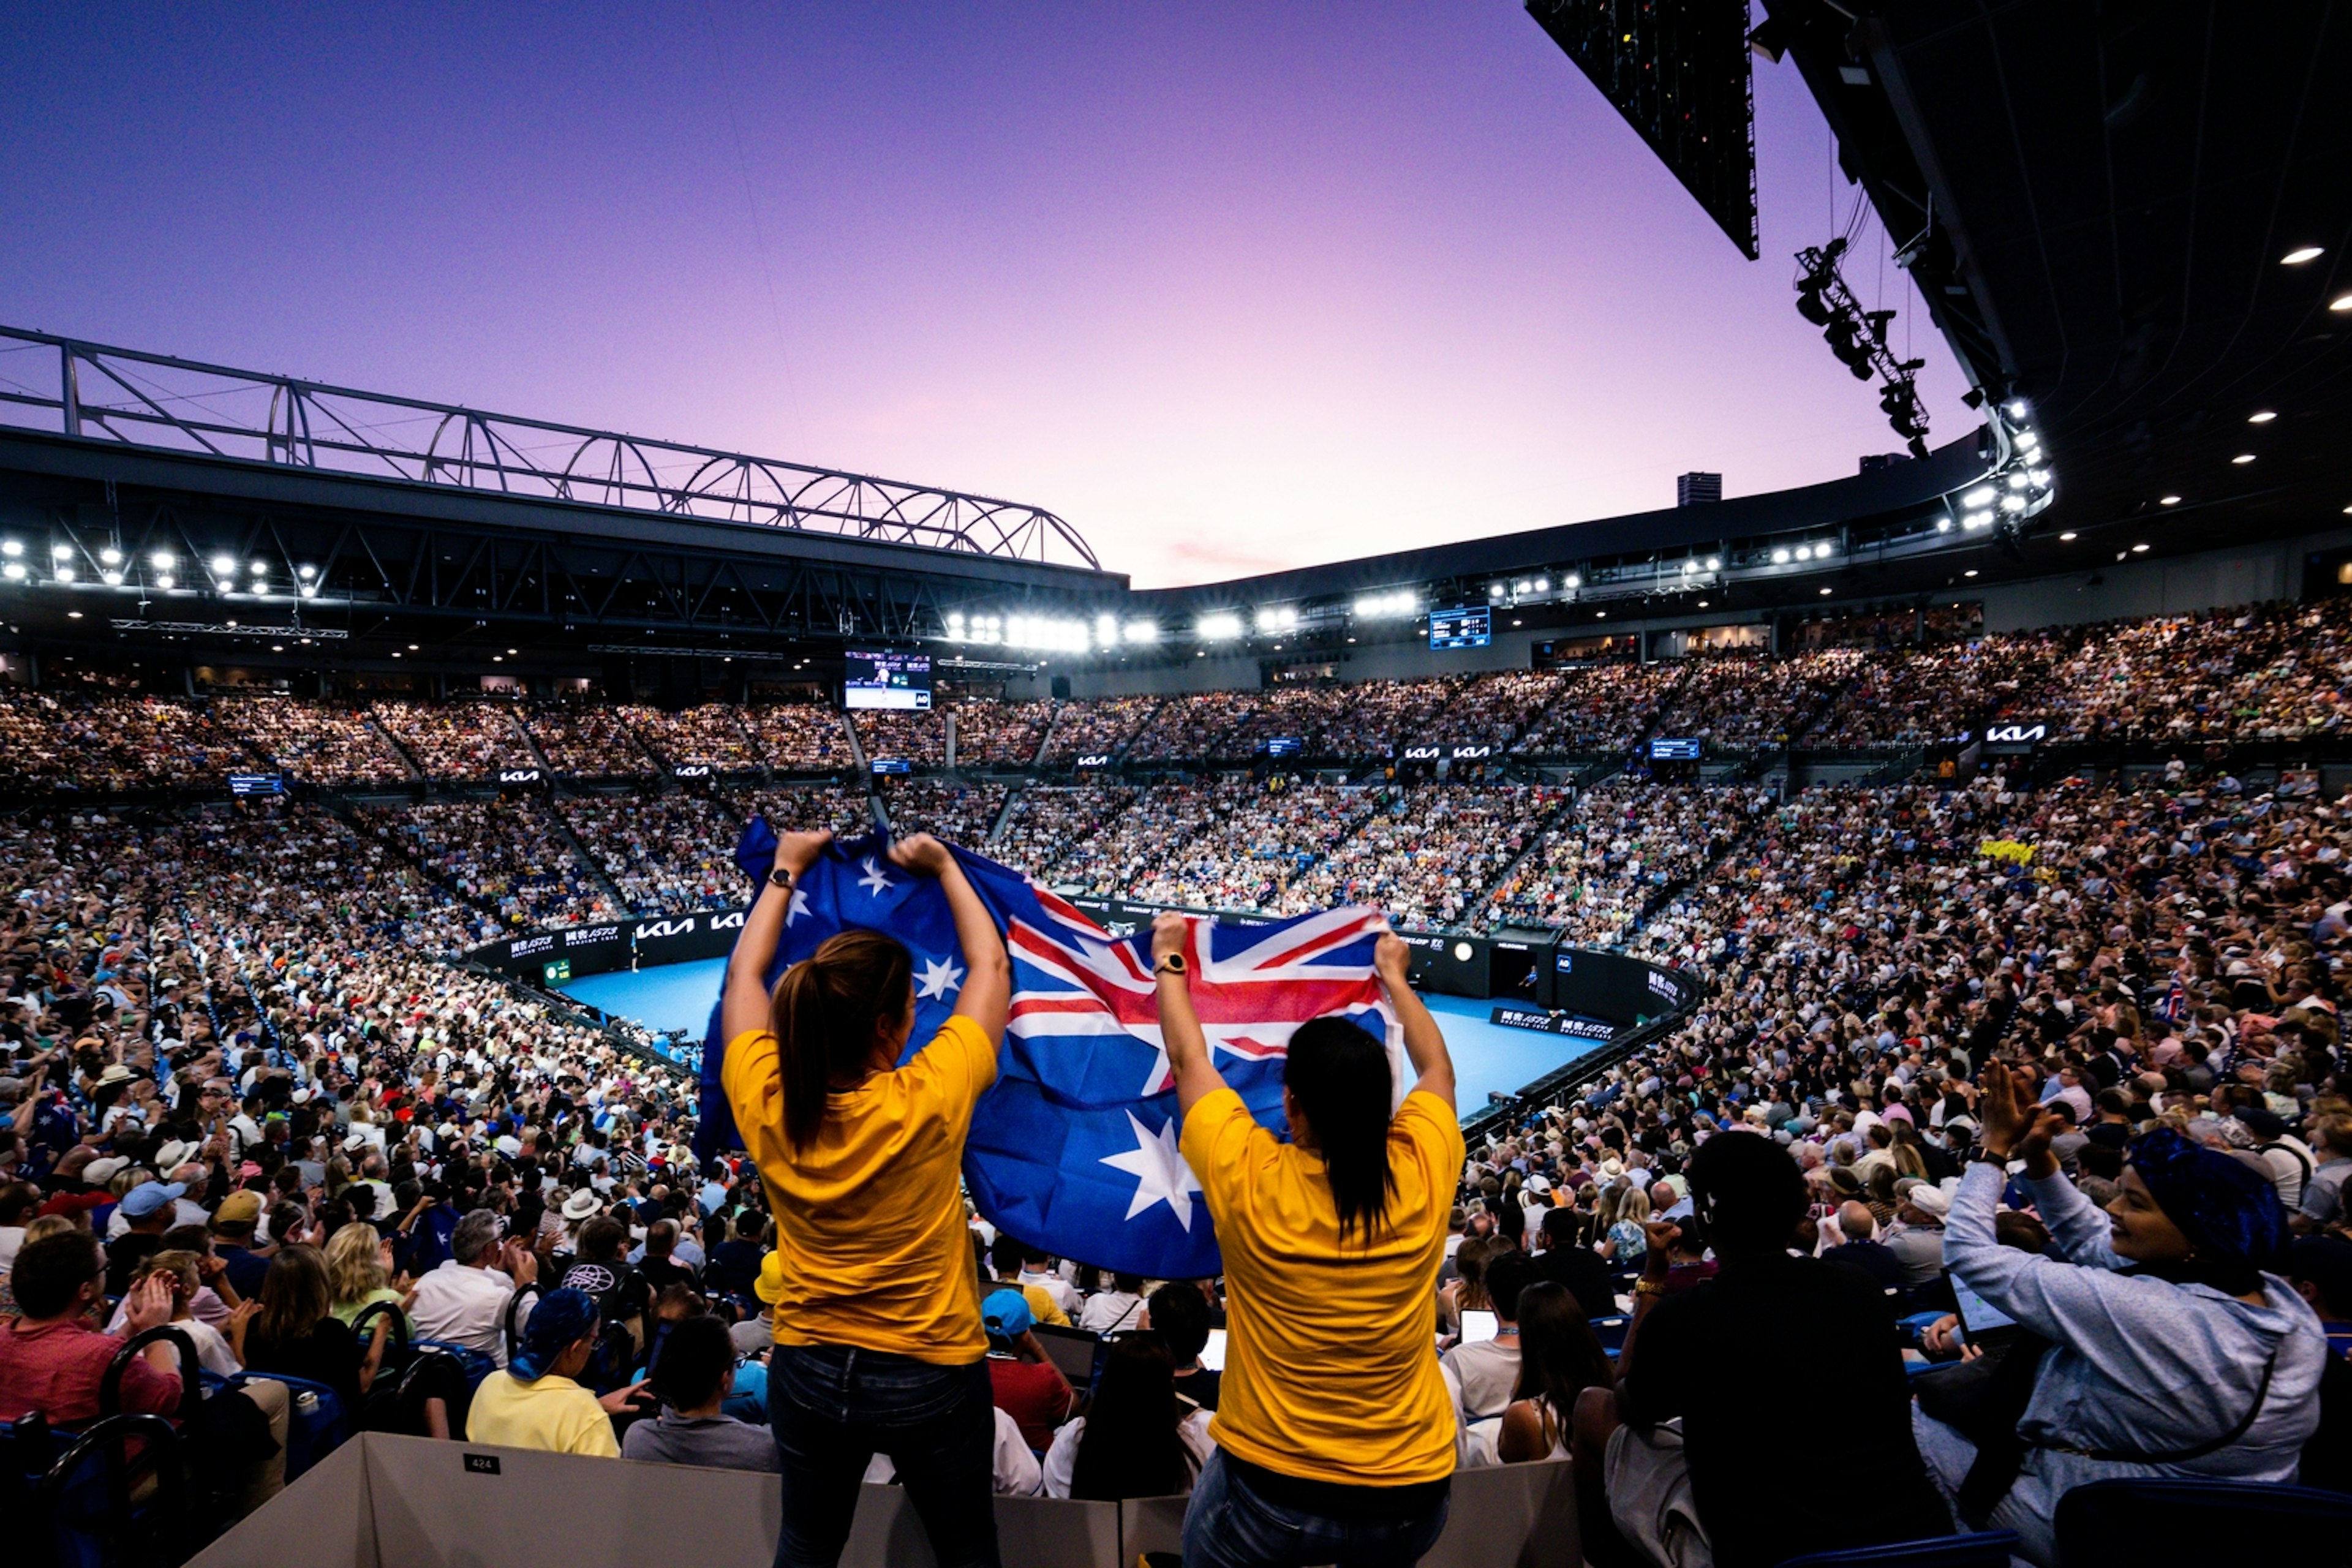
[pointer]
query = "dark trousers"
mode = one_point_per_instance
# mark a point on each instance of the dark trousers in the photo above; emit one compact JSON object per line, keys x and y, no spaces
{"x":1229,"y":1525}
{"x":833,"y":1408}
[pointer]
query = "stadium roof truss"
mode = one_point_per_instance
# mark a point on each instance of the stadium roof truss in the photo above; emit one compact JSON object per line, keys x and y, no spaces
{"x":93,"y":392}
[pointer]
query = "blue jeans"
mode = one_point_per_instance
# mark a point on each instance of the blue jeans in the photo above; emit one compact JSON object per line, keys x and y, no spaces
{"x":833,"y":1408}
{"x":1228,"y":1525}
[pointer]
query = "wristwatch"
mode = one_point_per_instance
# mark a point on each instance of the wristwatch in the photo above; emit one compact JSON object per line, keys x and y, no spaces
{"x":1987,"y":1157}
{"x":1171,"y":964}
{"x":780,"y":876}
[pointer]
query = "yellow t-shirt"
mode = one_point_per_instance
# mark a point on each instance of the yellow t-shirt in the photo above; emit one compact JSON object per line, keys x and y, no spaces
{"x":1331,"y":1367}
{"x":870,"y":1218}
{"x":552,"y":1414}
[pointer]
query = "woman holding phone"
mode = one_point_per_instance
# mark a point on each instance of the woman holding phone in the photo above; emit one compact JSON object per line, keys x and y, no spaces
{"x":1334,"y":1436}
{"x":878,"y":1340}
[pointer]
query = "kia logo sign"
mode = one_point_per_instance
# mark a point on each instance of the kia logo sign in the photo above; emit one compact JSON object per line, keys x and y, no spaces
{"x":1422,"y":753}
{"x":517,"y":776}
{"x":2016,"y":733}
{"x":664,"y":928}
{"x":731,"y":920}
{"x":1471,"y":754}
{"x":1095,"y":760}
{"x":692,"y":771}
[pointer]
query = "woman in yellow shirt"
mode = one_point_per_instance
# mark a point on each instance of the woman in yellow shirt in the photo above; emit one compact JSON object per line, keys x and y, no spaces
{"x":878,"y":1342}
{"x":1334,"y":1432}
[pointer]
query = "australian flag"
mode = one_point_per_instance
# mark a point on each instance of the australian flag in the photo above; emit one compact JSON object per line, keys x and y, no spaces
{"x":1075,"y":1147}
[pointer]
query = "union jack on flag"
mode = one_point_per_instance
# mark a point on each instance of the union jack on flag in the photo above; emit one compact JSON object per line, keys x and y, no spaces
{"x":1074,"y":1149}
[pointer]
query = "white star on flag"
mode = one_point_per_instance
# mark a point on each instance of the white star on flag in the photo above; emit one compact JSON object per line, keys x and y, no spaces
{"x":939,"y":976}
{"x":798,"y":906}
{"x":1160,"y":1172}
{"x":875,"y":879}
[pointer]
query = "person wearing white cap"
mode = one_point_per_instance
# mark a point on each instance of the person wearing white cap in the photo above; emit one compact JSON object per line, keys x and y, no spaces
{"x":1917,"y":1238}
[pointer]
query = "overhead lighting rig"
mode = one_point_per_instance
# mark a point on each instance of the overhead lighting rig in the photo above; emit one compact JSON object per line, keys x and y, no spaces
{"x":1858,"y":338}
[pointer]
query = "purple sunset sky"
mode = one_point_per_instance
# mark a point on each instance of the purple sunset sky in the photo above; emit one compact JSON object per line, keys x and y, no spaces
{"x":1231,"y":288}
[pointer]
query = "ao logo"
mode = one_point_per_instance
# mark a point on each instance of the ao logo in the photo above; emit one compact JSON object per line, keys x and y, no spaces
{"x":2016,"y":734}
{"x":664,"y":928}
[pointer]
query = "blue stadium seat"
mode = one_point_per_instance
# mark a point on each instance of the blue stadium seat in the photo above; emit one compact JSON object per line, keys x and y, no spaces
{"x":1984,"y":1549}
{"x":2131,"y":1523}
{"x":95,"y":1506}
{"x":1610,"y":1332}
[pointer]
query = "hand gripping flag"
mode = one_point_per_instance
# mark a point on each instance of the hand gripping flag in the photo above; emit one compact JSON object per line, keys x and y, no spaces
{"x":1075,"y":1147}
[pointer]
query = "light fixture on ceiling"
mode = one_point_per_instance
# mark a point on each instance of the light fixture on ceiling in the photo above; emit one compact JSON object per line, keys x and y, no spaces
{"x":2242,"y":458}
{"x":2341,"y":303}
{"x":2067,"y":537}
{"x":2261,"y":416}
{"x":1969,"y":573}
{"x":2168,"y":500}
{"x":2139,"y":550}
{"x":2301,"y":254}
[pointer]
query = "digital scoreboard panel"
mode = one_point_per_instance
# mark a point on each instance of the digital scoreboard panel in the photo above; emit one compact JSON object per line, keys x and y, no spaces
{"x":1472,"y":626}
{"x":1663,"y":749}
{"x":256,"y":783}
{"x":886,"y":679}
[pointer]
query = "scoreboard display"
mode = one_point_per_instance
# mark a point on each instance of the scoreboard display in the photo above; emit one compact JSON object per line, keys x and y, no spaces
{"x":1472,"y":626}
{"x":886,"y":679}
{"x":1666,"y":749}
{"x":256,"y":783}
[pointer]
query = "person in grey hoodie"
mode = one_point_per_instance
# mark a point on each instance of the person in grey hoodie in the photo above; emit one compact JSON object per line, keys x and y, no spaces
{"x":2161,"y":1343}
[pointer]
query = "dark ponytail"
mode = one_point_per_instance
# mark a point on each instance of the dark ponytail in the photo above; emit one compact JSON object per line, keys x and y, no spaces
{"x":823,"y":1014}
{"x":1338,"y":1074}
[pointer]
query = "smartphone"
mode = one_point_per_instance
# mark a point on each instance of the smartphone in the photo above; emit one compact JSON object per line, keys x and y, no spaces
{"x":1212,"y":1354}
{"x":1986,"y":1325}
{"x":1478,"y":1326}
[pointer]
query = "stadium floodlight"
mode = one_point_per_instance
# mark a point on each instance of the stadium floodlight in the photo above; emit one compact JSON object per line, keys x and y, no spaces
{"x":60,"y":551}
{"x":1781,"y":557}
{"x":2242,"y":458}
{"x":11,"y":548}
{"x":109,"y":557}
{"x":2341,"y":303}
{"x":2040,"y":478}
{"x":1276,"y":617}
{"x":1943,"y":525}
{"x":1980,"y":496}
{"x":2013,"y":503}
{"x":1543,"y":584}
{"x":112,"y":579}
{"x":1218,"y":625}
{"x":1106,"y":630}
{"x":224,"y":566}
{"x":2262,"y":416}
{"x":2139,"y":550}
{"x":1714,"y":562}
{"x":306,"y":572}
{"x":15,"y":570}
{"x":163,"y":561}
{"x":258,"y":568}
{"x":166,"y":581}
{"x":1689,"y":566}
{"x":310,"y":590}
{"x":1571,"y":581}
{"x":1494,"y":590}
{"x":2301,"y":254}
{"x":2017,"y":408}
{"x":1976,"y":519}
{"x":63,"y":573}
{"x":2168,"y":500}
{"x":1140,"y":631}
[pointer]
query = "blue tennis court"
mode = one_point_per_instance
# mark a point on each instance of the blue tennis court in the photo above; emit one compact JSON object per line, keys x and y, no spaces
{"x":1486,"y":1056}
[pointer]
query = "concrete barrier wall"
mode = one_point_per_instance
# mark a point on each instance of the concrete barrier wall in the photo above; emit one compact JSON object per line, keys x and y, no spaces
{"x":410,"y":1503}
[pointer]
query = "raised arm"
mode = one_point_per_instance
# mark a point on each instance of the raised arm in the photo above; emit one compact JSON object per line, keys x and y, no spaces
{"x":1197,"y":1076}
{"x":743,"y":1006}
{"x":1423,"y":1044}
{"x":986,"y":995}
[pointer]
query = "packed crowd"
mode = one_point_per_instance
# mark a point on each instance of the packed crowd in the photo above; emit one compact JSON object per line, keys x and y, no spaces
{"x":322,"y":742}
{"x":242,"y":1093}
{"x":75,"y":737}
{"x":1600,"y":707}
{"x":999,"y":735}
{"x":474,"y":740}
{"x":666,"y":854}
{"x":961,"y":814}
{"x":585,"y":740}
{"x":708,"y":735}
{"x":1615,"y":852}
{"x":508,"y":856}
{"x":1101,"y":728}
{"x":1426,"y":854}
{"x":798,"y":737}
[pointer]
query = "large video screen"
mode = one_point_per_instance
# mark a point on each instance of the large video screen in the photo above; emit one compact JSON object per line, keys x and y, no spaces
{"x":1471,"y":627}
{"x":886,"y":679}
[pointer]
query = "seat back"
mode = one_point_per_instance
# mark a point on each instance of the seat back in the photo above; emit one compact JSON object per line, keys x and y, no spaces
{"x":192,"y":1371}
{"x":2138,"y":1520}
{"x":1982,"y":1549}
{"x":116,"y":1496}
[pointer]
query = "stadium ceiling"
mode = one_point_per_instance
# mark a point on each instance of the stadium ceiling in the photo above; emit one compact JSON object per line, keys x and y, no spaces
{"x":2132,"y":219}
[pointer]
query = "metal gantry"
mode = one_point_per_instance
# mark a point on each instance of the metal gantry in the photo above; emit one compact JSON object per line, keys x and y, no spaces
{"x":95,"y":391}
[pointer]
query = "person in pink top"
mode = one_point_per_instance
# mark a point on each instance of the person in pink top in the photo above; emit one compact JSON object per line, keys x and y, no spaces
{"x":51,"y":1362}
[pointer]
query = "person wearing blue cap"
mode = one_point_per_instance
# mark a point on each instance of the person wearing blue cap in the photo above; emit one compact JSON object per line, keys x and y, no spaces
{"x":2159,"y":1340}
{"x":536,"y":1402}
{"x":1028,"y":1386}
{"x":147,"y":1211}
